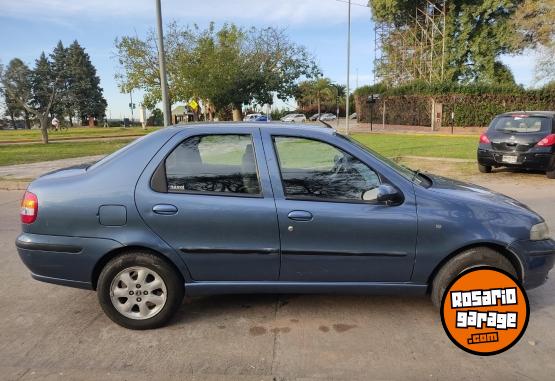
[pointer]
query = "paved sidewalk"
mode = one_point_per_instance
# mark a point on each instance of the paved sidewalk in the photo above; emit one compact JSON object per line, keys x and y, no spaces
{"x":33,"y":170}
{"x":71,"y":139}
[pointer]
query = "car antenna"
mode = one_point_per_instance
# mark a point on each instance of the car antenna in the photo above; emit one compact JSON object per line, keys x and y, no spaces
{"x":326,"y":124}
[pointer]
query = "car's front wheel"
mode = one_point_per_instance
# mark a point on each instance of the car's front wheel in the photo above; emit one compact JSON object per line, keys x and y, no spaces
{"x":139,"y":290}
{"x":474,"y":257}
{"x":484,"y":168}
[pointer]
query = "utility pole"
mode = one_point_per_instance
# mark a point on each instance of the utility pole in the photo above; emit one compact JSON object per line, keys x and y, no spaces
{"x":348,"y":69}
{"x":131,"y":106}
{"x":162,"y":64}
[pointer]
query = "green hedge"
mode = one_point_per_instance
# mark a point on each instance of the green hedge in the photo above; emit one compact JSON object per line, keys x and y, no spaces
{"x":473,"y":105}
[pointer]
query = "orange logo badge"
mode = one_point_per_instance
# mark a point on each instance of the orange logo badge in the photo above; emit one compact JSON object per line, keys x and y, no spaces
{"x":485,"y":311}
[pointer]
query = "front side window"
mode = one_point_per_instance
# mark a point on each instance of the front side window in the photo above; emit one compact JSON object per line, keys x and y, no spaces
{"x":316,"y":170}
{"x":224,"y":164}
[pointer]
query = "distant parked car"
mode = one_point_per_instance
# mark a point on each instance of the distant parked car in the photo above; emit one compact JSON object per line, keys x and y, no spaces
{"x":294,"y":118}
{"x":262,"y":118}
{"x":353,"y":115}
{"x":327,"y":117}
{"x":315,"y":117}
{"x":247,"y":208}
{"x":251,"y":117}
{"x":519,"y":140}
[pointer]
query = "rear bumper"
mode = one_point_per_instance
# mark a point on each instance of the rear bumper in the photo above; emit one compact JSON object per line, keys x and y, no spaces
{"x":540,"y":161}
{"x":537,"y":259}
{"x":68,"y":261}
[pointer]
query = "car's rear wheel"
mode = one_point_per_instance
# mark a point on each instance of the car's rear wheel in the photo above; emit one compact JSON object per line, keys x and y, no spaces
{"x":550,"y":174}
{"x":484,"y":168}
{"x":475,"y":257}
{"x":139,"y":290}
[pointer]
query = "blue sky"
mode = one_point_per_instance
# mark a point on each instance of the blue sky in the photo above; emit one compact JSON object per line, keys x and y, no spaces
{"x":31,"y":26}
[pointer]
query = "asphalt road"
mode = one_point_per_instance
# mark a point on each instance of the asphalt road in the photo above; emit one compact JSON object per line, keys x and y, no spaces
{"x":52,"y":332}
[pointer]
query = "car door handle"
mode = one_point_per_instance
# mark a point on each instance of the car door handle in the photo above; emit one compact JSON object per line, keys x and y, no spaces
{"x":300,"y":215}
{"x":164,"y":209}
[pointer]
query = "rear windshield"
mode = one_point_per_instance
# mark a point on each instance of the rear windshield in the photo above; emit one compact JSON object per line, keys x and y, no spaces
{"x":522,"y":124}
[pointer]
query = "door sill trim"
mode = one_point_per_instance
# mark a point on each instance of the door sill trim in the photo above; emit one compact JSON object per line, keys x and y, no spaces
{"x":277,"y":287}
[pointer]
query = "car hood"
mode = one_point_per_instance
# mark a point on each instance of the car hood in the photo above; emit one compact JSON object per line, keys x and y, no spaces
{"x":468,"y":192}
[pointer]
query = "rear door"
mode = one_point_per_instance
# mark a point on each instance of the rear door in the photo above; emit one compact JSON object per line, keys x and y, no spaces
{"x":207,"y":194}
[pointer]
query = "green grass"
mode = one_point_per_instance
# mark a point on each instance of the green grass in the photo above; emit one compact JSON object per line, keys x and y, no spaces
{"x":444,"y":146}
{"x":31,"y":153}
{"x":81,"y":132}
{"x":391,"y":145}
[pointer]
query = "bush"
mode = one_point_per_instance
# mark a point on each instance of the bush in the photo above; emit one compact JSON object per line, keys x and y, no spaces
{"x":473,"y":104}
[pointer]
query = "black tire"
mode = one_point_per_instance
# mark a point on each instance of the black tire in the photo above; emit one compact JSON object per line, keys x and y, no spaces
{"x":484,"y":168}
{"x":550,"y":174}
{"x":478,"y":256}
{"x":173,"y":283}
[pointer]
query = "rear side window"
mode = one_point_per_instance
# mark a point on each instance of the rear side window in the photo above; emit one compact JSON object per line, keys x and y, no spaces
{"x":522,"y":124}
{"x":215,"y":164}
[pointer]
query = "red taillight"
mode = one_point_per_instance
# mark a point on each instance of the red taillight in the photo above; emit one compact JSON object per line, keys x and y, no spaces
{"x":29,"y":208}
{"x":484,"y":139}
{"x":548,"y":141}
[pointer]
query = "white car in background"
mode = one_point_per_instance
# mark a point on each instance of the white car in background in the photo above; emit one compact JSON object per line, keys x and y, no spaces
{"x":327,"y":117}
{"x":294,"y":118}
{"x":251,"y":117}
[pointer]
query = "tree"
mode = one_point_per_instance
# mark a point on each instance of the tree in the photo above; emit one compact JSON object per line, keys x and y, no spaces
{"x":86,"y":95}
{"x":226,"y":67}
{"x":156,"y":118}
{"x":33,"y":90}
{"x":477,"y":33}
{"x":61,"y":107}
{"x":13,"y":108}
{"x":80,"y":92}
{"x":534,"y":22}
{"x":318,"y":91}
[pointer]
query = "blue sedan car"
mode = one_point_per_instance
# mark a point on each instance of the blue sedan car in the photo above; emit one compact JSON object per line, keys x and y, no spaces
{"x":264,"y":208}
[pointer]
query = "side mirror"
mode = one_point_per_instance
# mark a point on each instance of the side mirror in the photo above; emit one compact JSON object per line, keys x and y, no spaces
{"x":389,"y":195}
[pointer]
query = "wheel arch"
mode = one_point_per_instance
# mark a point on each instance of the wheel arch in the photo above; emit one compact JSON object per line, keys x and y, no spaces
{"x":512,"y":257}
{"x":126,"y":249}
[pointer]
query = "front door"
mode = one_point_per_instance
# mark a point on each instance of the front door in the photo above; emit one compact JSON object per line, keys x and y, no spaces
{"x":332,"y":228}
{"x":209,"y":200}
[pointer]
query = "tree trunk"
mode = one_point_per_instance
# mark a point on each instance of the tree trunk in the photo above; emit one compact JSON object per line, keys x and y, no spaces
{"x":27,"y":121}
{"x":70,"y":121}
{"x":319,"y":107}
{"x":13,"y":121}
{"x":237,"y":116}
{"x":44,"y":128}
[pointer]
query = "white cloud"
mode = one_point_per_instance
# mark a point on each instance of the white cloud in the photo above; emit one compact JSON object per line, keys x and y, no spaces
{"x":254,"y":11}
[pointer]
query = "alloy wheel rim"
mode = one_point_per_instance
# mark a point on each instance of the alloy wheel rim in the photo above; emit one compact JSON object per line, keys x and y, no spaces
{"x":138,"y":293}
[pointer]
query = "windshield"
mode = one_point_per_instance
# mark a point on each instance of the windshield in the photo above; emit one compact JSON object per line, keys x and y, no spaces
{"x":522,"y":124}
{"x":406,"y":172}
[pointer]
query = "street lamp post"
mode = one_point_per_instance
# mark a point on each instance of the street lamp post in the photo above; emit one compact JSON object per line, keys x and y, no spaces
{"x":348,"y":69}
{"x":162,"y":65}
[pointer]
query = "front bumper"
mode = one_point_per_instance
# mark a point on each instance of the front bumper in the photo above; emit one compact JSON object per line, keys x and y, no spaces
{"x":541,"y":161}
{"x":537,"y":259}
{"x":68,"y":261}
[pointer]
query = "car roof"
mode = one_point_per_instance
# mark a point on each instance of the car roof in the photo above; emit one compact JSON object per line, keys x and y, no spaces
{"x":550,"y":114}
{"x":284,"y":126}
